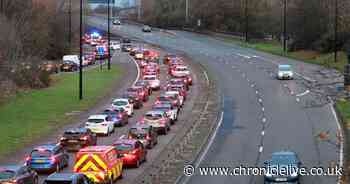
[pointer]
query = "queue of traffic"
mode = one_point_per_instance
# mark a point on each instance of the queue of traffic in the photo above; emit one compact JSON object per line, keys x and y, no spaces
{"x":105,"y":163}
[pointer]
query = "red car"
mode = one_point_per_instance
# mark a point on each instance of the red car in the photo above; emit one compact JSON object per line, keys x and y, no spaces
{"x":141,"y":92}
{"x":179,"y":81}
{"x":132,"y":151}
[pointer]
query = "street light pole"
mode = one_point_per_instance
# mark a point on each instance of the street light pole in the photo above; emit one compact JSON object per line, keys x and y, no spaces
{"x":187,"y":10}
{"x":246,"y":21}
{"x":70,"y":23}
{"x":285,"y":26}
{"x":81,"y":53}
{"x":109,"y":35}
{"x":336,"y":31}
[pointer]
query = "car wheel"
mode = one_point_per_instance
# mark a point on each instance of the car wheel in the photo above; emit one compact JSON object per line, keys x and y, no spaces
{"x":137,"y":165}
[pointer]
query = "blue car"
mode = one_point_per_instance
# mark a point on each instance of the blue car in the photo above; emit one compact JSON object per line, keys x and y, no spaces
{"x":48,"y":158}
{"x":117,"y":115}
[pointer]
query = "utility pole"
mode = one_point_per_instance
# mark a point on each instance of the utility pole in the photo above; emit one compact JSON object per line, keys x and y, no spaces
{"x":109,"y":34}
{"x":246,"y":21}
{"x":336,"y":31}
{"x":139,"y":10}
{"x":81,"y":53}
{"x":285,"y":26}
{"x":70,"y":23}
{"x":187,"y":10}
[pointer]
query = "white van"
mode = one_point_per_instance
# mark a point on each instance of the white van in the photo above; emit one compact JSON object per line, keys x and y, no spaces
{"x":73,"y":58}
{"x":285,"y":72}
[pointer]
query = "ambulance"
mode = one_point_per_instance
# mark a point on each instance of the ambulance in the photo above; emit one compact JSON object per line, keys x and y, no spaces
{"x":100,"y":163}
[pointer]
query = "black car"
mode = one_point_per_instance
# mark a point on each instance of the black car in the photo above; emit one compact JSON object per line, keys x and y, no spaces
{"x":17,"y":174}
{"x":282,"y":160}
{"x":116,"y":22}
{"x":133,"y":98}
{"x":145,"y":84}
{"x":144,"y":133}
{"x":126,"y":40}
{"x":69,"y":66}
{"x":119,"y":116}
{"x":76,"y":138}
{"x":126,"y":47}
{"x":67,"y":178}
{"x":146,"y":29}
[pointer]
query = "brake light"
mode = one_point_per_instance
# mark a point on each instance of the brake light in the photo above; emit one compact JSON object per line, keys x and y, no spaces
{"x":162,"y":121}
{"x":120,"y":116}
{"x":148,"y":137}
{"x":28,"y":158}
{"x":133,"y":152}
{"x":85,"y":138}
{"x":53,"y":159}
{"x":63,"y":138}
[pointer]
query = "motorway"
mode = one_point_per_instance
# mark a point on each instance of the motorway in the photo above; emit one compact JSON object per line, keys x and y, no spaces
{"x":261,"y":115}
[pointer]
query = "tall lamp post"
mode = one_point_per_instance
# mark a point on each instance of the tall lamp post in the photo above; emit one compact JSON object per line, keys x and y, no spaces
{"x":109,"y":34}
{"x":246,"y":21}
{"x":81,"y":53}
{"x":70,"y":23}
{"x":336,"y":31}
{"x":187,"y":10}
{"x":285,"y":25}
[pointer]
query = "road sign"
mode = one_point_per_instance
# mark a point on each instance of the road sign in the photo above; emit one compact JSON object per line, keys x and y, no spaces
{"x":101,"y":50}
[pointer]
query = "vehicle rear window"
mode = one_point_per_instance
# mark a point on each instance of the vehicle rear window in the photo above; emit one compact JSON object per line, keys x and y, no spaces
{"x":153,"y":116}
{"x":150,"y":78}
{"x":57,"y":182}
{"x":95,"y":120}
{"x":124,"y":147}
{"x":41,"y":153}
{"x":6,"y":174}
{"x":120,"y":103}
{"x":181,"y":69}
{"x":72,"y":133}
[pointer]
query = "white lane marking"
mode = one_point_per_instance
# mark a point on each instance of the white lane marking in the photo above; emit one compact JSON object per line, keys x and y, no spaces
{"x":261,"y":149}
{"x":341,"y":149}
{"x":206,"y":77}
{"x":305,"y":77}
{"x":263,"y":109}
{"x":260,"y":100}
{"x":303,"y":94}
{"x":138,"y":70}
{"x":212,"y":138}
{"x":263,"y":133}
{"x":256,"y":92}
{"x":264,"y":120}
{"x":297,"y":99}
{"x":245,"y":56}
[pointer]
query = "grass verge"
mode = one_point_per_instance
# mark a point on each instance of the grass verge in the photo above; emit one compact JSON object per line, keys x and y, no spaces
{"x":308,"y":56}
{"x":33,"y":114}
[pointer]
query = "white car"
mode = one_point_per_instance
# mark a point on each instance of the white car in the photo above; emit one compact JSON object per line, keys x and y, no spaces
{"x":153,"y":81}
{"x":170,"y":110}
{"x":74,"y":58}
{"x":115,"y":46}
{"x":125,"y":104}
{"x":180,"y":71}
{"x":177,"y":94}
{"x":285,"y":72}
{"x":100,"y":124}
{"x":139,"y":55}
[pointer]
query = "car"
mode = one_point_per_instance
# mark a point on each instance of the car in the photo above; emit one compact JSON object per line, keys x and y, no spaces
{"x":153,"y":80}
{"x":17,"y":174}
{"x":102,"y":52}
{"x":168,"y":57}
{"x":180,"y":71}
{"x":282,"y":160}
{"x":67,"y":178}
{"x":133,"y":99}
{"x":50,"y":67}
{"x":168,"y":98}
{"x":100,"y":124}
{"x":89,"y":59}
{"x":284,"y":72}
{"x":177,"y":94}
{"x":132,"y":152}
{"x":72,"y":58}
{"x":157,"y":119}
{"x":146,"y":29}
{"x":119,"y":116}
{"x":139,"y":55}
{"x":126,"y":40}
{"x":143,"y":63}
{"x":169,"y":109}
{"x":140,"y":92}
{"x":125,"y":104}
{"x":75,"y":138}
{"x":180,"y":88}
{"x":47,"y":158}
{"x":115,"y":45}
{"x":133,"y":50}
{"x":145,"y":84}
{"x":179,"y":81}
{"x":116,"y":22}
{"x":101,"y":164}
{"x":69,"y":66}
{"x":144,"y":133}
{"x":126,"y":47}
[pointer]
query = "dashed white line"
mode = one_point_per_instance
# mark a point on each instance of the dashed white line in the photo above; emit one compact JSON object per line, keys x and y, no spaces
{"x":206,"y":77}
{"x":263,"y":133}
{"x":303,"y":94}
{"x":261,"y":149}
{"x":264,"y":120}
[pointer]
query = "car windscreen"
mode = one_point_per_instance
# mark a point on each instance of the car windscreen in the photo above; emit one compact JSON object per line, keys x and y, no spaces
{"x":120,"y":103}
{"x":95,"y":120}
{"x":6,"y":174}
{"x":41,"y":153}
{"x":284,"y":68}
{"x":57,"y":182}
{"x":150,"y":78}
{"x":124,"y":147}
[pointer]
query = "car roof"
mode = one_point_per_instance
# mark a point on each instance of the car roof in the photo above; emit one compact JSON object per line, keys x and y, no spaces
{"x":50,"y":147}
{"x":96,"y":149}
{"x":168,"y":105}
{"x":100,"y":116}
{"x":125,"y":141}
{"x":121,"y":99}
{"x":150,"y":76}
{"x":154,"y":112}
{"x":10,"y":167}
{"x":62,"y":176}
{"x":284,"y":65}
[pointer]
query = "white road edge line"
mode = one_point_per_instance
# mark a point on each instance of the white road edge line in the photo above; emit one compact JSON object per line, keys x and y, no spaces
{"x":206,"y":77}
{"x":138,"y":70}
{"x":303,"y":94}
{"x":341,"y":153}
{"x":204,"y":153}
{"x":261,"y":149}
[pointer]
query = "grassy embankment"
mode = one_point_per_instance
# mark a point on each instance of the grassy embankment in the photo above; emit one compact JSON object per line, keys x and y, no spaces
{"x":30,"y":115}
